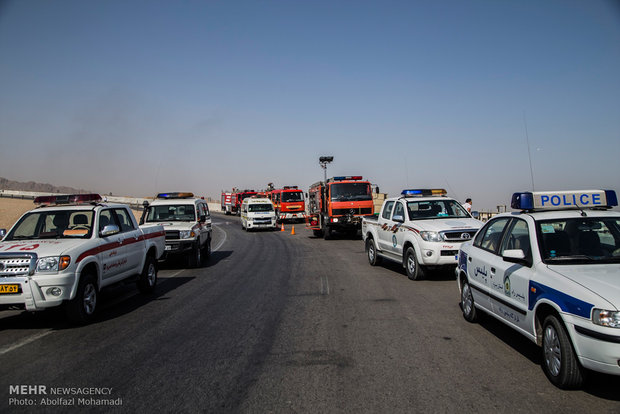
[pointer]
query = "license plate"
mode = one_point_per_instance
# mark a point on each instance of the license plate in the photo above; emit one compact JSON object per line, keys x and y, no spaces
{"x":4,"y":289}
{"x":168,"y":248}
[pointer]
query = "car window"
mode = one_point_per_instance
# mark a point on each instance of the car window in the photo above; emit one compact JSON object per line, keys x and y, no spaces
{"x":490,"y":236}
{"x":399,"y":210}
{"x":387,"y":211}
{"x":126,"y":224}
{"x":106,"y":217}
{"x":518,"y":237}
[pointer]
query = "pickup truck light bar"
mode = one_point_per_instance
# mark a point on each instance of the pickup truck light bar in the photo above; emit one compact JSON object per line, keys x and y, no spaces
{"x":67,"y":199}
{"x":562,"y":200}
{"x":175,"y":195}
{"x":424,"y":192}
{"x":343,"y":178}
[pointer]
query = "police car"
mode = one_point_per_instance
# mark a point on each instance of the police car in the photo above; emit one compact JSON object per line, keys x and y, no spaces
{"x":552,"y":272}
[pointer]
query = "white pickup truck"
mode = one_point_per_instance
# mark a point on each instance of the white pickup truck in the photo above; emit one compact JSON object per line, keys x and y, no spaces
{"x":65,"y":251}
{"x":420,"y":229}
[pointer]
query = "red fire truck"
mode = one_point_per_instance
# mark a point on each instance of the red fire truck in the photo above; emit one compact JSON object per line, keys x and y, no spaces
{"x":239,"y":196}
{"x":288,"y":202}
{"x":339,"y":205}
{"x":229,"y":204}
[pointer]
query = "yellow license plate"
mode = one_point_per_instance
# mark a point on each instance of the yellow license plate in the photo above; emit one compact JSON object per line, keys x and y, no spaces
{"x":9,"y":289}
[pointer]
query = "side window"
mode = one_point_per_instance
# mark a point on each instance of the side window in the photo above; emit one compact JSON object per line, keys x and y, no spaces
{"x":399,"y":210}
{"x":490,"y":236}
{"x":106,"y":217}
{"x":205,"y":207}
{"x":518,"y":237}
{"x":387,"y":211}
{"x":126,"y":223}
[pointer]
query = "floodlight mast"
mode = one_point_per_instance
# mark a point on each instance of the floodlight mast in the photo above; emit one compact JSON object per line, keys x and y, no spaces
{"x":323,"y":161}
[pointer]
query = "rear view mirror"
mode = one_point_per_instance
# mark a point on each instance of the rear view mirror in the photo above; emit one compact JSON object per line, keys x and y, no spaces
{"x":398,"y":218}
{"x":109,"y":230}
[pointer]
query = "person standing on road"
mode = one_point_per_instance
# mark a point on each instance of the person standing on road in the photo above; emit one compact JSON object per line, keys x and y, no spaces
{"x":467,"y":205}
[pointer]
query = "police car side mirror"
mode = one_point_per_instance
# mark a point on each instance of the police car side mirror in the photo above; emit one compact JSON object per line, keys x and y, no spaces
{"x":109,"y":230}
{"x":475,"y":214}
{"x":398,"y":218}
{"x":515,"y":256}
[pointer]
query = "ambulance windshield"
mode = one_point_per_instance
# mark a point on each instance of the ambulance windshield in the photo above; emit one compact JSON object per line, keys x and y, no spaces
{"x":581,"y":240}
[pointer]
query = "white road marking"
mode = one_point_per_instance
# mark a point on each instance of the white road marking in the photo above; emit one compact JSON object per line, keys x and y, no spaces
{"x":324,"y":285}
{"x":24,"y":341}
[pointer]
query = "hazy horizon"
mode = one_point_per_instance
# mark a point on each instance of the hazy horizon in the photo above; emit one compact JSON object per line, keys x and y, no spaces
{"x":135,"y":98}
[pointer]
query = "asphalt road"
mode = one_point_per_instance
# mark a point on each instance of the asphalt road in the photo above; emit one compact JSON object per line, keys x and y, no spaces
{"x":277,"y":322}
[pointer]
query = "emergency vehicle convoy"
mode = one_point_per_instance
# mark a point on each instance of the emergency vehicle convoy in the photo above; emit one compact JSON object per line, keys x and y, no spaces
{"x":288,"y":202}
{"x":551,"y":272}
{"x":72,"y":246}
{"x":420,"y":229}
{"x":258,"y":212}
{"x":339,"y":205}
{"x":187,"y":222}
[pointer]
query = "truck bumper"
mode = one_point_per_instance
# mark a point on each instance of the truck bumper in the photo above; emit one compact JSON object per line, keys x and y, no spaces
{"x":37,"y":292}
{"x":440,"y":255}
{"x":179,"y":246}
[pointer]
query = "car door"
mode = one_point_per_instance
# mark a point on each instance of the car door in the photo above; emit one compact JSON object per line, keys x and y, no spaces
{"x":385,"y":221}
{"x":395,"y":235}
{"x":112,"y":255}
{"x":205,"y":226}
{"x":509,"y":282}
{"x":483,"y":260}
{"x":133,"y":243}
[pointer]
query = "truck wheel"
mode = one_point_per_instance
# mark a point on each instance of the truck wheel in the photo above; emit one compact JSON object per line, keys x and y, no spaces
{"x":81,"y":309}
{"x":414,"y":270}
{"x":371,"y":251}
{"x":317,"y":233}
{"x":148,"y":278}
{"x":207,"y":250}
{"x":559,"y":362}
{"x":327,"y":233}
{"x":467,"y":303}
{"x":195,"y":256}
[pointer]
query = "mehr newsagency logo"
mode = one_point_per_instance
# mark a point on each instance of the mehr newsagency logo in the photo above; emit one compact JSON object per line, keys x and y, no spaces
{"x":42,"y":395}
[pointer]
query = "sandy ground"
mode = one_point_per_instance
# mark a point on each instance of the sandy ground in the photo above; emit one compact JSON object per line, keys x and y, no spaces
{"x":11,"y":210}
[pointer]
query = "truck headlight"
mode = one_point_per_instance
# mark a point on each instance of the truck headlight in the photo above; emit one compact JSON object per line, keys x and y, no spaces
{"x":606,"y":318}
{"x":431,"y":236}
{"x":186,"y":234}
{"x":53,"y":263}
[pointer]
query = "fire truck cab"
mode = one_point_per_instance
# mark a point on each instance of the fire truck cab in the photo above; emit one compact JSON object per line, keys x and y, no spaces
{"x":289,"y":203}
{"x":338,"y":205}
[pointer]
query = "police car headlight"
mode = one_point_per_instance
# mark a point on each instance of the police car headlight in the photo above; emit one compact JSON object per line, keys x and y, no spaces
{"x":53,"y":263}
{"x":186,"y":234}
{"x":606,"y":318}
{"x":431,"y":236}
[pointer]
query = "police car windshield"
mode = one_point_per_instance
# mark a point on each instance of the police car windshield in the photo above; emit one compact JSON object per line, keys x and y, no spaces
{"x":350,"y":192}
{"x":260,"y":207}
{"x":171,"y":212}
{"x":65,"y":224}
{"x":581,"y":240}
{"x":292,"y":196}
{"x":431,"y":209}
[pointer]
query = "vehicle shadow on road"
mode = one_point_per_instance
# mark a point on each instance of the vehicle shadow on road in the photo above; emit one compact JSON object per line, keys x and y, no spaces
{"x":430,"y":275}
{"x":180,"y":262}
{"x":597,"y":384}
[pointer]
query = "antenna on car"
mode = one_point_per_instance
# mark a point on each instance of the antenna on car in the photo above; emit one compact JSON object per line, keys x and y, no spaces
{"x":529,"y":153}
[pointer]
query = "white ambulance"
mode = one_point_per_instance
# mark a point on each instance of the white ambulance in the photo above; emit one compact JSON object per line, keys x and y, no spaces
{"x":552,"y":272}
{"x":258,"y":213}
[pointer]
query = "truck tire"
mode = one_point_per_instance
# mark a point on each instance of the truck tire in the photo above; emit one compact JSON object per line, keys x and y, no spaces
{"x":206,"y":250}
{"x":195,"y":256}
{"x":81,"y":309}
{"x":371,"y":252}
{"x":317,"y":233}
{"x":413,"y":268}
{"x":327,"y":233}
{"x":148,"y":278}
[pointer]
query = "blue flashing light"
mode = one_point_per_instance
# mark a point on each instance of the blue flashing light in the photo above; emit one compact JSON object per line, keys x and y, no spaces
{"x":175,"y":195}
{"x":612,"y":199}
{"x":424,"y":192}
{"x":522,"y":201}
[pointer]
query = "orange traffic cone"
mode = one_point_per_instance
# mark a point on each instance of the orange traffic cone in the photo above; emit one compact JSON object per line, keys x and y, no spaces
{"x":293,"y":230}
{"x":282,"y":229}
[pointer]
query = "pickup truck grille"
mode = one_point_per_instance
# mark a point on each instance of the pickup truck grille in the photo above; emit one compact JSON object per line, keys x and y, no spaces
{"x":172,"y":234}
{"x":16,"y":264}
{"x":354,"y":211}
{"x":459,"y":236}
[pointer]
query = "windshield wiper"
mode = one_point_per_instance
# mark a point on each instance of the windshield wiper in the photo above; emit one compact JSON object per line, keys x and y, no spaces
{"x":574,"y":257}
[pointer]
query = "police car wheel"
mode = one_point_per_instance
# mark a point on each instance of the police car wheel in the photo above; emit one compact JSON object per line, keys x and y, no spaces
{"x":414,"y":270}
{"x":195,"y":256}
{"x":467,"y":303}
{"x":371,"y":251}
{"x":559,"y":362}
{"x":148,"y":277}
{"x":82,"y":308}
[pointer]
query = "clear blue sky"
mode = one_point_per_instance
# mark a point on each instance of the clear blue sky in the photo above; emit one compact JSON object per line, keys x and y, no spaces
{"x":135,"y":97}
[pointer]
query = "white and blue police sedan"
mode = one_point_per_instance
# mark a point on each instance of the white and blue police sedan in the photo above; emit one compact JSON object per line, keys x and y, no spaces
{"x":552,"y":272}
